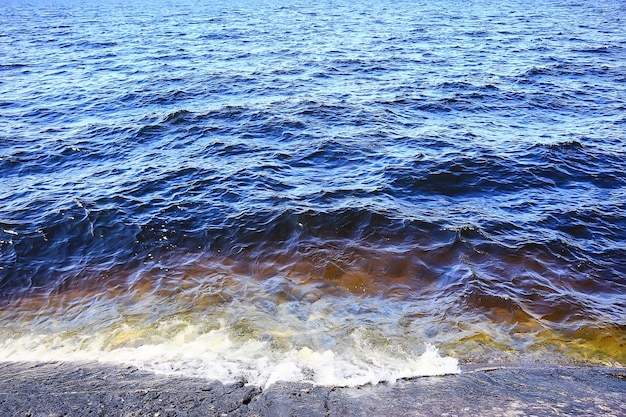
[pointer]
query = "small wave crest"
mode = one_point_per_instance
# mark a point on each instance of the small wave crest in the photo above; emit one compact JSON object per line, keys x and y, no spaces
{"x":236,"y":345}
{"x":215,"y":355}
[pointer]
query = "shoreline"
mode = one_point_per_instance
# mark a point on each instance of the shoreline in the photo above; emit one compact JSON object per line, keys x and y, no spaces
{"x":91,"y":388}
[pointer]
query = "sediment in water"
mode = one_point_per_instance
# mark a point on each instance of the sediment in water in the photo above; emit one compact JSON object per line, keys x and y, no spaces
{"x":80,"y":389}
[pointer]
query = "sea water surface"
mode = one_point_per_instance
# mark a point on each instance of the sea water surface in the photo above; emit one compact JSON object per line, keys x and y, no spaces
{"x":337,"y":192}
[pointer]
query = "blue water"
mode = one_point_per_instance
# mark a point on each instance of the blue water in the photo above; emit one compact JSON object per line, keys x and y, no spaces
{"x":456,"y":169}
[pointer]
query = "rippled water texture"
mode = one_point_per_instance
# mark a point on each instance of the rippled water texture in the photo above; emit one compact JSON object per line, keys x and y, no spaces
{"x":313,"y":191}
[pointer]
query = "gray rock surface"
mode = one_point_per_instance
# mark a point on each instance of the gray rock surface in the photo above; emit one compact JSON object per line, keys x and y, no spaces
{"x":92,"y":389}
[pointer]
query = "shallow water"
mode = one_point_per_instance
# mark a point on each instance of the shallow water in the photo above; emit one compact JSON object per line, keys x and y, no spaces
{"x":313,"y":192}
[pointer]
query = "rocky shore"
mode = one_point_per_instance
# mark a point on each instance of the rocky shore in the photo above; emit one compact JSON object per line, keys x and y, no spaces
{"x":94,"y":389}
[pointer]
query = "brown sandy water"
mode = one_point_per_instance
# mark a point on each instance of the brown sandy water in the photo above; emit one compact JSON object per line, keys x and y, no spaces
{"x":376,"y":308}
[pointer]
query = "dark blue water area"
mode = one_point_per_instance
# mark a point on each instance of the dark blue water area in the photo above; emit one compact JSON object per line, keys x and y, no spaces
{"x":483,"y":130}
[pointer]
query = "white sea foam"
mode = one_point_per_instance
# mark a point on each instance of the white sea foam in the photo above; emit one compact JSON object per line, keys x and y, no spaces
{"x":217,"y":355}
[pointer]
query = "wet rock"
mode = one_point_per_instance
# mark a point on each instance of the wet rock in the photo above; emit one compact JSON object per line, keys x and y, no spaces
{"x":91,"y":389}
